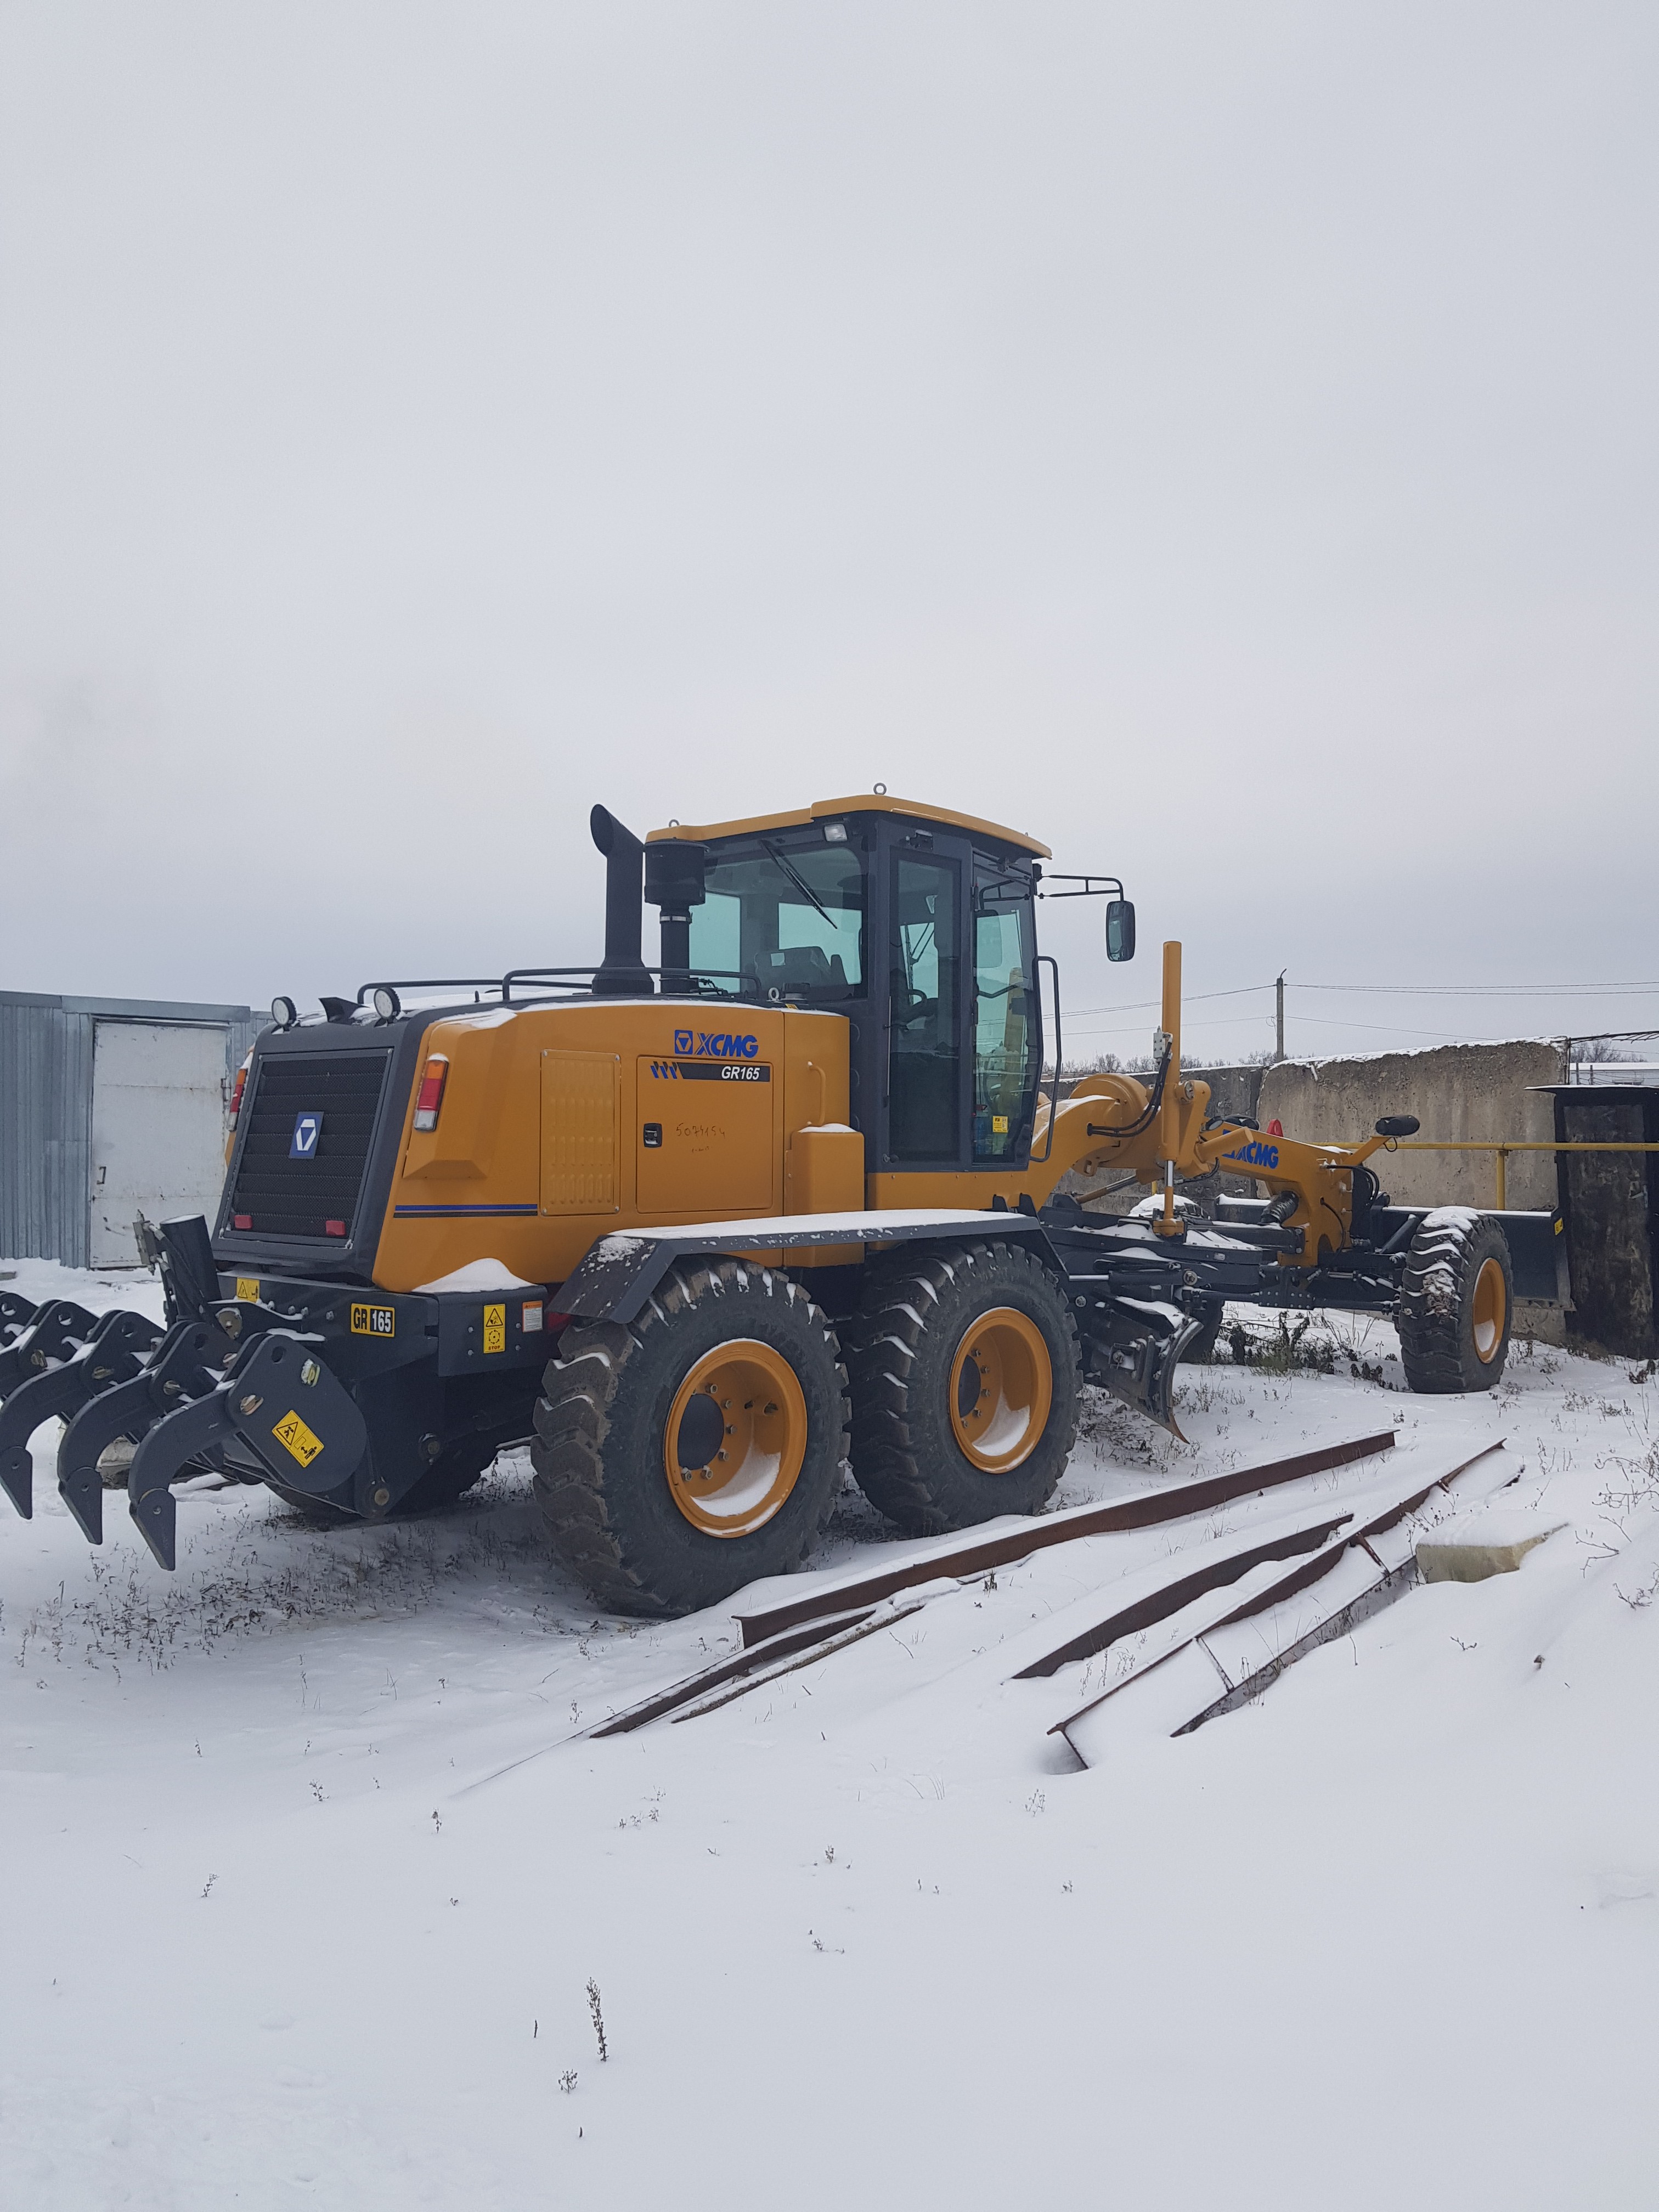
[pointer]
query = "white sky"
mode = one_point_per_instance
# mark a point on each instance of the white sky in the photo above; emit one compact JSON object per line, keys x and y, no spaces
{"x":1221,"y":441}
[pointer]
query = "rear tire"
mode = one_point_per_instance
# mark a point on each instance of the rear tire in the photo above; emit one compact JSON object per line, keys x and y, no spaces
{"x":914,"y":1365}
{"x":619,"y":1403}
{"x":1456,"y":1303}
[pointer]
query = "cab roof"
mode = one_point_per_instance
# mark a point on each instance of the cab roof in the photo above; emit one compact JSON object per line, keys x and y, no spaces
{"x":834,"y":809}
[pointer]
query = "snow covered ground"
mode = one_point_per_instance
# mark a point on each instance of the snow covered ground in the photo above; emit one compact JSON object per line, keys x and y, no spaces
{"x":309,"y":1868}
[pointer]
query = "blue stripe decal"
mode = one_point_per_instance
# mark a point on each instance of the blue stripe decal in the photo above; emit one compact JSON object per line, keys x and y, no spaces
{"x":426,"y":1213}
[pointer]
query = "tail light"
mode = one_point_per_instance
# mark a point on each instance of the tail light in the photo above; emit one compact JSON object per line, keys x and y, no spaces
{"x":334,"y":1229}
{"x":236,"y":1095}
{"x":430,"y":1096}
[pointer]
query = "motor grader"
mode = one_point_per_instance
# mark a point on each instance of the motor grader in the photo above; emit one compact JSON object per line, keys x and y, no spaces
{"x":707,"y":1233}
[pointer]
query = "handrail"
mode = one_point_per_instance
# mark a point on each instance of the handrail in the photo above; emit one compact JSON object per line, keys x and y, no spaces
{"x":1503,"y":1147}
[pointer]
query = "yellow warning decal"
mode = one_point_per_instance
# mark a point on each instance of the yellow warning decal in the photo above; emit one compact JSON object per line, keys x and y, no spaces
{"x":247,"y":1289}
{"x":374,"y":1321}
{"x":494,"y":1328}
{"x":999,"y":1125}
{"x":294,"y":1436}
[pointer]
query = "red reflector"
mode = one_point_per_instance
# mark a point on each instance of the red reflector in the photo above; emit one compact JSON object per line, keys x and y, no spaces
{"x":554,"y":1322}
{"x":430,"y":1096}
{"x":241,"y":1221}
{"x":334,"y":1228}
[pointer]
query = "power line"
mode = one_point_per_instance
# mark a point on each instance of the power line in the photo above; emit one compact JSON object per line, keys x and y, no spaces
{"x":1189,"y":999}
{"x":1484,"y":990}
{"x":1387,"y":990}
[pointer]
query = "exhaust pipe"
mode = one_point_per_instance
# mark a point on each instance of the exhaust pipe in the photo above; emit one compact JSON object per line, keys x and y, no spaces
{"x":622,"y":973}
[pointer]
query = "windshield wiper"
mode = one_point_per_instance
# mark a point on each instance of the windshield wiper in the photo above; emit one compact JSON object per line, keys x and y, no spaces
{"x":800,"y":882}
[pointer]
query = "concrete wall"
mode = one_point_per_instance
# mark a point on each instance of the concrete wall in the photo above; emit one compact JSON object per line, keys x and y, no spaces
{"x":1456,"y":1092}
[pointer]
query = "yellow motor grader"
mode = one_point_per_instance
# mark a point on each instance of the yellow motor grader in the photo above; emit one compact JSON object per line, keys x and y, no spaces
{"x":707,"y":1233}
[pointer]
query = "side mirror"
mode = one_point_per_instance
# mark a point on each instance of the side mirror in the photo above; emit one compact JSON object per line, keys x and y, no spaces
{"x":1398,"y":1125}
{"x":1120,"y":929}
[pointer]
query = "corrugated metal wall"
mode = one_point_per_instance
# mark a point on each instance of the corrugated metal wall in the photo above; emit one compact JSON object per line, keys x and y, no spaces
{"x":45,"y":1110}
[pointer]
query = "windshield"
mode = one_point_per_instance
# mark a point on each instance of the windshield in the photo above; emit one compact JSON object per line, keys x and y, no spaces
{"x":782,"y":918}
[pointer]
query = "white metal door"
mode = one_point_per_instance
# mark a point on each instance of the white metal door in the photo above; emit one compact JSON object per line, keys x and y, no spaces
{"x":158,"y":1129}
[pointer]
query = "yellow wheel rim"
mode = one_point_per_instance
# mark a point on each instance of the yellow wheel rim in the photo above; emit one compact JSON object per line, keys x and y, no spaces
{"x":736,"y":1438}
{"x":1001,"y":1388}
{"x":1491,"y":1312}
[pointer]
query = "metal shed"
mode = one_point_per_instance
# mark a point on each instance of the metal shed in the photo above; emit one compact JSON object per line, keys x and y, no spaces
{"x":109,"y":1107}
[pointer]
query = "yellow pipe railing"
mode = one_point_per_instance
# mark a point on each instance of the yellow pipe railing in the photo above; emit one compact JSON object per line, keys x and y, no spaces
{"x":1503,"y":1150}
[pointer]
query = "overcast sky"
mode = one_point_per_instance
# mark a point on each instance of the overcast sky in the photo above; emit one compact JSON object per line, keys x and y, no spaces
{"x":1219,"y":439}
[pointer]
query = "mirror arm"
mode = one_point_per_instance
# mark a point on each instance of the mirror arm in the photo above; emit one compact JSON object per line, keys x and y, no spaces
{"x":1093,"y":887}
{"x":1047,"y":960}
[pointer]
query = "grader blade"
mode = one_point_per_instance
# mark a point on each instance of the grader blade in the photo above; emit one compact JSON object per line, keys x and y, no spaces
{"x":186,"y":1365}
{"x":1139,"y":1343}
{"x":55,"y":1331}
{"x":112,"y":1354}
{"x":280,"y":1402}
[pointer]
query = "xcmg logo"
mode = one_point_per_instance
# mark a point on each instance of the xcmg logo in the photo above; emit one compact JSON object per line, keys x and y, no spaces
{"x":702,"y":1046}
{"x":1256,"y":1155}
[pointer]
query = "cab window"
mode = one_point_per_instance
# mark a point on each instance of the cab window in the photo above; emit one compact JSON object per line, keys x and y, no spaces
{"x":783,"y":920}
{"x":1005,"y":1041}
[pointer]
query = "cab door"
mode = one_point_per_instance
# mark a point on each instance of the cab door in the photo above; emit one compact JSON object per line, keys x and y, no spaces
{"x":925,"y":1089}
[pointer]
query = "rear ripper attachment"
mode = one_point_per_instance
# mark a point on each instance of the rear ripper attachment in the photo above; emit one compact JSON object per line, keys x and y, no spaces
{"x":357,"y":1405}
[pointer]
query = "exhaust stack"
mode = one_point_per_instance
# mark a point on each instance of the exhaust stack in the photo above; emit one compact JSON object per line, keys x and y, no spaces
{"x":622,"y":973}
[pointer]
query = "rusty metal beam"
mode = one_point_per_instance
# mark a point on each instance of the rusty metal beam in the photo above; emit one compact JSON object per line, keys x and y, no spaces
{"x":1157,"y":1605}
{"x":869,"y":1623}
{"x":1175,"y":1502}
{"x":723,"y":1670}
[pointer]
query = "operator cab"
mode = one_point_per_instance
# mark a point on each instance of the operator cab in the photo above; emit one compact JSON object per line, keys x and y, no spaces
{"x":916,"y":924}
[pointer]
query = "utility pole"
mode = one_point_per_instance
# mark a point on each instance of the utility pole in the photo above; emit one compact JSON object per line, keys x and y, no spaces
{"x":1278,"y":993}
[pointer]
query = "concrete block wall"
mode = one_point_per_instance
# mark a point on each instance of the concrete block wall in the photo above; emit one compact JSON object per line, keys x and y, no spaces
{"x":1463,"y":1092}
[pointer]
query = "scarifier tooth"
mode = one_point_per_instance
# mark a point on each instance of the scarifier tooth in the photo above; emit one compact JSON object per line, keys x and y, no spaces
{"x":17,"y":1479}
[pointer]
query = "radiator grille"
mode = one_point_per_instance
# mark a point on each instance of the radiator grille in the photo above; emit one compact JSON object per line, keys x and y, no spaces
{"x":290,"y":1197}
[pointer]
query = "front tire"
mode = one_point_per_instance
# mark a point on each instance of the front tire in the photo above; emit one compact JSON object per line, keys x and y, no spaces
{"x":1456,"y":1303}
{"x":698,"y":1449}
{"x":965,"y":1384}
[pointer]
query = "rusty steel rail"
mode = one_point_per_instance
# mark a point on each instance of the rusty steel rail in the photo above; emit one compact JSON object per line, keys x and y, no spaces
{"x":821,"y":1647}
{"x":1227,"y":1562}
{"x":1175,"y":1502}
{"x":724,"y":1670}
{"x":1386,"y":1573}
